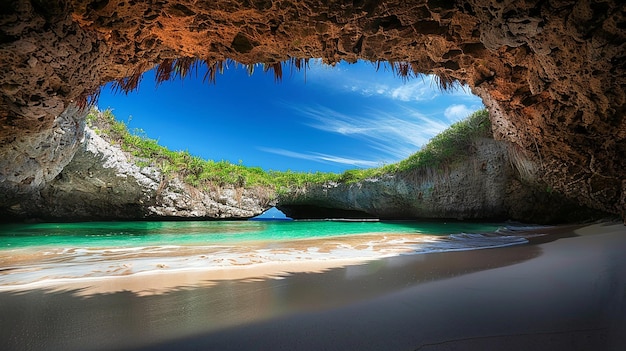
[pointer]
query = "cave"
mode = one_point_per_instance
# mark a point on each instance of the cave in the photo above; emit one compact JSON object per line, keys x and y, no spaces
{"x":551,"y":73}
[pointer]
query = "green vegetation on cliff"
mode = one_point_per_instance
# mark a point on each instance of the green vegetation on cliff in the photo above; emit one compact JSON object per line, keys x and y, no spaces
{"x":193,"y":169}
{"x":447,"y":147}
{"x":451,"y":145}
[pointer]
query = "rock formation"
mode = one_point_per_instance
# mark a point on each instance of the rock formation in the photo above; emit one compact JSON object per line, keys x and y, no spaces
{"x":550,"y":72}
{"x":103,"y":182}
{"x":493,"y":182}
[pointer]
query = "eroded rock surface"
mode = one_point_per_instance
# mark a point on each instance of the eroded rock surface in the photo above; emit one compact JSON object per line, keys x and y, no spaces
{"x":552,"y":73}
{"x":493,"y":182}
{"x":103,"y":182}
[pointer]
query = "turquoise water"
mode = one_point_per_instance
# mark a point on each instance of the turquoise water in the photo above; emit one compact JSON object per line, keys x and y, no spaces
{"x":128,"y":234}
{"x":53,"y":253}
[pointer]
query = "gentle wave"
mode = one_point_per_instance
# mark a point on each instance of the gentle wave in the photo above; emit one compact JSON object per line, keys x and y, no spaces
{"x":29,"y":266}
{"x":521,"y":228}
{"x":467,"y":241}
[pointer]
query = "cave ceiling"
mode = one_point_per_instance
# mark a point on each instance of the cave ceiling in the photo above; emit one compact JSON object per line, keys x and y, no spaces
{"x":551,"y":72}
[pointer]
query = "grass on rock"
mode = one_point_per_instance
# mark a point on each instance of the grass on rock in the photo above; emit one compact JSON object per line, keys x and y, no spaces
{"x":446,"y":148}
{"x":193,"y":169}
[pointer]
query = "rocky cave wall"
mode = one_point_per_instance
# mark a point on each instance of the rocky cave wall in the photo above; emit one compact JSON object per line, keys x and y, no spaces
{"x":551,"y":72}
{"x":102,"y":182}
{"x":493,"y":182}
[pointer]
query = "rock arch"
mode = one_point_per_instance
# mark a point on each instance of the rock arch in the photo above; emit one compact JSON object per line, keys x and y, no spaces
{"x":551,"y":72}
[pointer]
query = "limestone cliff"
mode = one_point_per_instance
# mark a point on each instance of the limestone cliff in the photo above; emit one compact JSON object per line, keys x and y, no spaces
{"x":486,"y":179}
{"x":103,"y":182}
{"x":493,"y":182}
{"x":552,"y":73}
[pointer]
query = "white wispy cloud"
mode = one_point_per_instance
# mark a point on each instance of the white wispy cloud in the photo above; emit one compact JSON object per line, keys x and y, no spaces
{"x":389,"y":131}
{"x":394,"y":135}
{"x":458,"y":112}
{"x":407,"y":126}
{"x":395,"y":89}
{"x":384,"y":83}
{"x":320,"y":157}
{"x":420,"y":89}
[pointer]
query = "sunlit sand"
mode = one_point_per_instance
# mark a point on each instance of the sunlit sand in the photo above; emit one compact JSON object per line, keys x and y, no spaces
{"x":561,"y":291}
{"x":157,"y":269}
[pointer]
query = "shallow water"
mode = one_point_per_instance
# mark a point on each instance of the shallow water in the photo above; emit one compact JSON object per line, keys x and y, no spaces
{"x":130,"y":234}
{"x":52,"y":252}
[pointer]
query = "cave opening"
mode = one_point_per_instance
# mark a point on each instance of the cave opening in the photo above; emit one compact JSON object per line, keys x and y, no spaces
{"x":309,"y":118}
{"x":550,"y":75}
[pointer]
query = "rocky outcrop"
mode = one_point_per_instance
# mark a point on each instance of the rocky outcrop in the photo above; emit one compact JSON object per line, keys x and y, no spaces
{"x":103,"y":182}
{"x":552,"y":73}
{"x":493,"y":182}
{"x":33,"y":159}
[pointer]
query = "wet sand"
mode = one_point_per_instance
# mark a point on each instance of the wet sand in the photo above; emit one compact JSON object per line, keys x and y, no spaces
{"x":565,"y":291}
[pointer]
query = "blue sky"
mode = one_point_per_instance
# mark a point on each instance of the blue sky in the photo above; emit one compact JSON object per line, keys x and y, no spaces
{"x":330,"y":119}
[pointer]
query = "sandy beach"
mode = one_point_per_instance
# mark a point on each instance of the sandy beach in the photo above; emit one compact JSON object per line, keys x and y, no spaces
{"x":563,"y":291}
